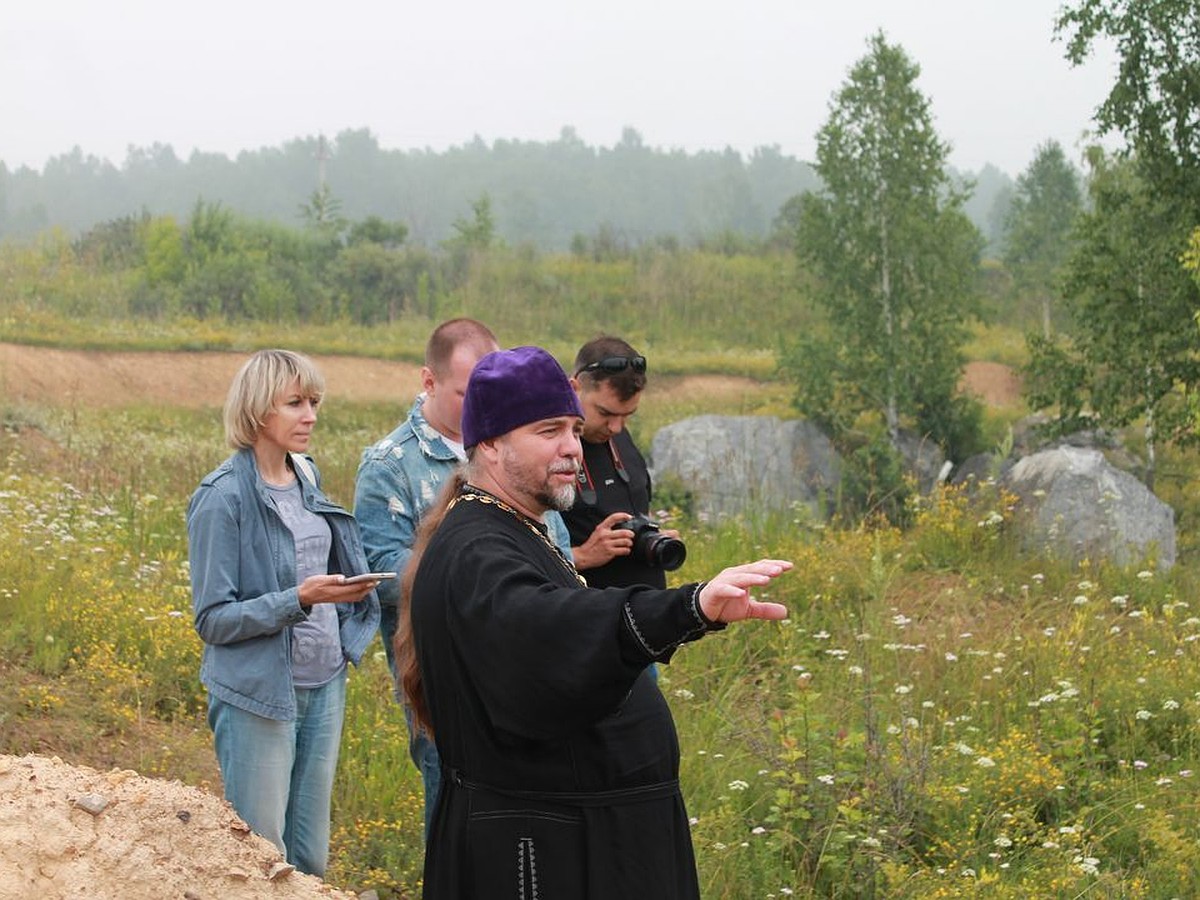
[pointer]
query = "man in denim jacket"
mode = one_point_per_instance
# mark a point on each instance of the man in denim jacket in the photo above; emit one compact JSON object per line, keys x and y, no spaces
{"x":399,"y":479}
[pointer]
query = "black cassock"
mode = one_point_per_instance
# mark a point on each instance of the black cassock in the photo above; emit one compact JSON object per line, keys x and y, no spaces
{"x":560,"y":758}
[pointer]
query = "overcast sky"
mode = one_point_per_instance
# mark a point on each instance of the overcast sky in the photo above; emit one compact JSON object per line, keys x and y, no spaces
{"x":229,"y":75}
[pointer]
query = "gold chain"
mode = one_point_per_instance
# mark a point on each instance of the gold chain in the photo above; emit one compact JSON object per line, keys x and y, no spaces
{"x":482,"y":496}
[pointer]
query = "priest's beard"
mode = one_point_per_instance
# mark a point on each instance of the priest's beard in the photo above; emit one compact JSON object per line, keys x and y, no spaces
{"x":524,"y":480}
{"x":560,"y":498}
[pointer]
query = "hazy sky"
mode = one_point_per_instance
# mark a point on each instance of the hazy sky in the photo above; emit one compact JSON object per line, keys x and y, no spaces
{"x":230,"y":75}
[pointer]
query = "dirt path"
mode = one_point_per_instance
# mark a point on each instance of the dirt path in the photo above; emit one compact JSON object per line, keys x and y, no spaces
{"x":99,"y":379}
{"x":107,"y":379}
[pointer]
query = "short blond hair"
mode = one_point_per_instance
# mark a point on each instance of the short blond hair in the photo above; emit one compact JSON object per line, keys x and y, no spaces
{"x":258,"y":386}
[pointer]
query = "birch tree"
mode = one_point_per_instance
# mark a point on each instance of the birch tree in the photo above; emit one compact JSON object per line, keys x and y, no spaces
{"x":894,"y":258}
{"x":1038,"y":226}
{"x":1130,"y":354}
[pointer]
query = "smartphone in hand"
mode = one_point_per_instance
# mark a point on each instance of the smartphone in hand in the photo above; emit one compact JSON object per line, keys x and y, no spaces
{"x":368,"y":576}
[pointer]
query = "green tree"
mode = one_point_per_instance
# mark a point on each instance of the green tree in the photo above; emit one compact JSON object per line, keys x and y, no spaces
{"x":1152,"y":105}
{"x":372,"y":283}
{"x":472,"y":239}
{"x":165,"y":266}
{"x":1037,"y":232}
{"x":112,"y":245}
{"x":1131,"y":355}
{"x":1154,"y":100}
{"x":211,"y":231}
{"x":895,"y":259}
{"x":163,"y":243}
{"x":323,"y":212}
{"x":479,"y":231}
{"x":374,"y":230}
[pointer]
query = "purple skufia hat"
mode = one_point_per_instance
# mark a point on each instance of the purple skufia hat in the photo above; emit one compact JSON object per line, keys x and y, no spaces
{"x":511,"y":388}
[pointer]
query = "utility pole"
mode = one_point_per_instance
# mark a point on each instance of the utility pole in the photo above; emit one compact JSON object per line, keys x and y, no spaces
{"x":322,"y":158}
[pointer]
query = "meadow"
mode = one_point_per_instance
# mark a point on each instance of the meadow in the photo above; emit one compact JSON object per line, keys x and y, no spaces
{"x":940,"y":716}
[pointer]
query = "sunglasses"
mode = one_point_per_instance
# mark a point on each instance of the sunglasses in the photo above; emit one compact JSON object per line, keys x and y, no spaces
{"x":616,"y":364}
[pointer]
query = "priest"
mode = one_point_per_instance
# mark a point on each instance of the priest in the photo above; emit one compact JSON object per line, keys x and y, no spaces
{"x":560,"y":757}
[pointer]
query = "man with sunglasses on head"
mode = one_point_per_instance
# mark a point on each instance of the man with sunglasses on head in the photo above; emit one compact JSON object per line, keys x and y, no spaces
{"x":614,"y":483}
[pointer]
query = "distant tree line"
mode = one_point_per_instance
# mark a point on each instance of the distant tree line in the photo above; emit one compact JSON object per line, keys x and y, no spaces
{"x":549,"y":194}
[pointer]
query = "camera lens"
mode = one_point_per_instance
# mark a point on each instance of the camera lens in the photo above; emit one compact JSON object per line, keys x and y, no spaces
{"x":652,"y":546}
{"x":668,"y":552}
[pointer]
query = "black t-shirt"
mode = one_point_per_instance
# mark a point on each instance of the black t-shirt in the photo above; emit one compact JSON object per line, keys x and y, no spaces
{"x":620,"y":481}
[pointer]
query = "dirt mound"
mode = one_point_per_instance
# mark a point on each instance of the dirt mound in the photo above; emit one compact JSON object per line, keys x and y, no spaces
{"x":995,"y":384}
{"x":70,"y":831}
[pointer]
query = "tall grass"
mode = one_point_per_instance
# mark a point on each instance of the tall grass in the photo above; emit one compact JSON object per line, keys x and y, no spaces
{"x":940,"y":716}
{"x":690,"y":310}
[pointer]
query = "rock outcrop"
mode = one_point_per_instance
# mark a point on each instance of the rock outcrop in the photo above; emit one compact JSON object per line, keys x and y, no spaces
{"x":1078,"y":505}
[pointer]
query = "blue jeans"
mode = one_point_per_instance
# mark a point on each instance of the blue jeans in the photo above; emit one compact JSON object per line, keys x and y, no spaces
{"x":279,"y":775}
{"x":389,"y":621}
{"x":421,"y":750}
{"x":424,"y":754}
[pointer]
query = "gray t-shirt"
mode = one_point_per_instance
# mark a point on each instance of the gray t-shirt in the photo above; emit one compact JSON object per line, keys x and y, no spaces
{"x":316,"y":642}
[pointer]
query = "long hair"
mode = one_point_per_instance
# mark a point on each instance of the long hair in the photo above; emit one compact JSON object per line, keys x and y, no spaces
{"x":408,"y":670}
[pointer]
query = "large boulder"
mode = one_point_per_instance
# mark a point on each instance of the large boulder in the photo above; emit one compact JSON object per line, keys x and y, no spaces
{"x":923,"y":459}
{"x":743,"y":465}
{"x":1078,"y":505}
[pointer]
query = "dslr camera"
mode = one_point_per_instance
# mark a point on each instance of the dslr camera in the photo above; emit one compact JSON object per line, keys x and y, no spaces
{"x":652,"y":546}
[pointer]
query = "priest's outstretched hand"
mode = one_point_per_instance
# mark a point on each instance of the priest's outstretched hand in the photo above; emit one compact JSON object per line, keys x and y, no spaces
{"x":727,"y":597}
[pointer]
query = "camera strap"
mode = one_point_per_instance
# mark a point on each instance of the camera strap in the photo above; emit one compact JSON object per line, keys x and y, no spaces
{"x":587,"y":485}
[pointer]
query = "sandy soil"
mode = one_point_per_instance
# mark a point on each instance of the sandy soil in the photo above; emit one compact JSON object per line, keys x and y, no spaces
{"x":91,"y":378}
{"x":70,"y":831}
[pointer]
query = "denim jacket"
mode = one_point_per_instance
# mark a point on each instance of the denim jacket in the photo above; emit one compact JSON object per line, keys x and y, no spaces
{"x":244,"y":594}
{"x":398,"y":479}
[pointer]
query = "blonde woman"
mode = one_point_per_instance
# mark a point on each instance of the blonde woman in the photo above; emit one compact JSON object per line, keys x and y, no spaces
{"x":269,"y":556}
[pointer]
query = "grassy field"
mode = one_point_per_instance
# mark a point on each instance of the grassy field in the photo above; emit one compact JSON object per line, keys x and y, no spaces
{"x":939,"y":717}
